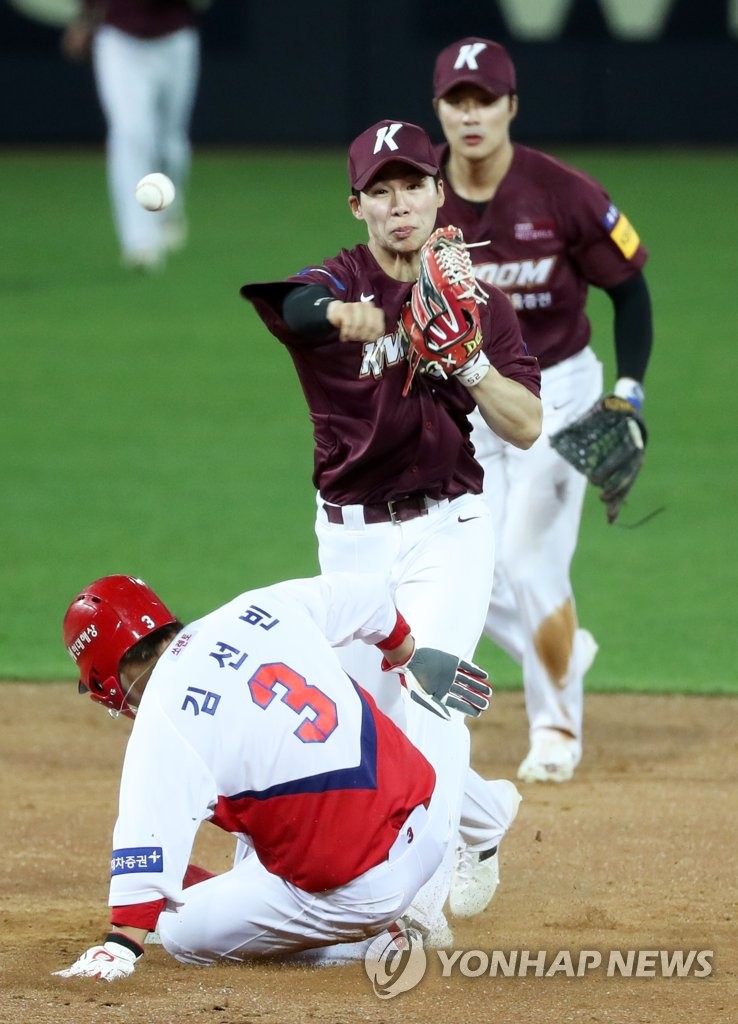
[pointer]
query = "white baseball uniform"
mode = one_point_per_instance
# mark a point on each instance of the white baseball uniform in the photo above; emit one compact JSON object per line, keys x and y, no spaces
{"x":547,"y":234}
{"x":147,"y":87}
{"x":440,"y":566}
{"x":537,"y":493}
{"x":250,"y":722}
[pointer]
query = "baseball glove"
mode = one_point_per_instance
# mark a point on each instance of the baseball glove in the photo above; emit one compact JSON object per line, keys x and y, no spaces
{"x":607,"y":444}
{"x":440,"y":324}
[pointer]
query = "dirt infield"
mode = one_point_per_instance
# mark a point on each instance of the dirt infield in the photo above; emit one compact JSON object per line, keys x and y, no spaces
{"x":637,"y":853}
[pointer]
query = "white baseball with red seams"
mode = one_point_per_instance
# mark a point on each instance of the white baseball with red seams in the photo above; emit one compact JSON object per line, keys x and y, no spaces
{"x":155,"y":191}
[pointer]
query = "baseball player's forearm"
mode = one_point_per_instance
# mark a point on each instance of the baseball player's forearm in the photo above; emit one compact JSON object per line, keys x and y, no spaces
{"x":633,"y":326}
{"x":508,"y":408}
{"x":398,"y":647}
{"x":401,"y":654}
{"x":314,"y":311}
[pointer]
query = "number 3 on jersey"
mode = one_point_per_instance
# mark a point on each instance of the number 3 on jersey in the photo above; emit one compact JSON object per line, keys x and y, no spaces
{"x":299,"y":697}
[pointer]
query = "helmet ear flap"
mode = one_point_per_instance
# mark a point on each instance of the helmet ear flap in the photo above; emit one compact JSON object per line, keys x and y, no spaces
{"x":102,"y":624}
{"x":110,"y":694}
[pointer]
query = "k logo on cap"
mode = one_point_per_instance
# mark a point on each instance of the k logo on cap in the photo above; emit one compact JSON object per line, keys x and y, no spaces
{"x":389,"y":142}
{"x":474,"y":61}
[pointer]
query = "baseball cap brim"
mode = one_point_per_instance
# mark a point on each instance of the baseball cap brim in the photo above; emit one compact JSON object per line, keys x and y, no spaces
{"x":495,"y":87}
{"x":367,"y":176}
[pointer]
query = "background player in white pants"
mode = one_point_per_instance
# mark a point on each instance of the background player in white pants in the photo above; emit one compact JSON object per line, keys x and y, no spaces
{"x":399,"y":490}
{"x":146,"y":58}
{"x":246,"y":718}
{"x":550,"y":233}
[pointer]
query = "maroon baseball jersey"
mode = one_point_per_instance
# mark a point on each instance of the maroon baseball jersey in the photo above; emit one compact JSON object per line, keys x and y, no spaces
{"x":371,"y":444}
{"x":147,"y":19}
{"x":552,"y":231}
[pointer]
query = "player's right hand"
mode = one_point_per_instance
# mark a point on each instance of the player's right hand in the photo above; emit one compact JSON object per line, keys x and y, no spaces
{"x":356,"y":321}
{"x":108,"y":962}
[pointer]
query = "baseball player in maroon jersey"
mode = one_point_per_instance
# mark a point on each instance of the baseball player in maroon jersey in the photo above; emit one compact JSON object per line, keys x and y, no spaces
{"x":146,"y":58}
{"x":398,"y":487}
{"x":550,"y":232}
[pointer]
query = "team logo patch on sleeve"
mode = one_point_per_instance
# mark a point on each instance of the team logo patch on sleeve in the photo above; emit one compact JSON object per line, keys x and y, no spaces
{"x":621,"y":231}
{"x":134,"y":860}
{"x":611,"y":217}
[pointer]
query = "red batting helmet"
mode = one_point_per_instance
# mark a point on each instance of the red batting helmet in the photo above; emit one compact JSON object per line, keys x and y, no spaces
{"x":102,"y":624}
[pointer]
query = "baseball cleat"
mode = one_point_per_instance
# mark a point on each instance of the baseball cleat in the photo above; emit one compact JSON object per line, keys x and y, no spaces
{"x":553,"y":756}
{"x":437,"y":935}
{"x":477,"y":874}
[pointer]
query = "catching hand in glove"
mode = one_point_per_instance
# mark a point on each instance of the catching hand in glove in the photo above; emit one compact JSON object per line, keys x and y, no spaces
{"x":440,"y":324}
{"x":607,"y":444}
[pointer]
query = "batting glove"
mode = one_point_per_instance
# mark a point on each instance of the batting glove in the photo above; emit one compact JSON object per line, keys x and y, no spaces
{"x":108,"y":962}
{"x":442,"y":683}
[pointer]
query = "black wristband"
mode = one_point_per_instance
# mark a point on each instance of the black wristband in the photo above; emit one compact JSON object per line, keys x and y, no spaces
{"x":123,"y":940}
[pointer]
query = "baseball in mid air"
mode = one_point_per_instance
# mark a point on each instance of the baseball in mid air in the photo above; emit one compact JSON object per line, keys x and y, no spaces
{"x":155,"y":191}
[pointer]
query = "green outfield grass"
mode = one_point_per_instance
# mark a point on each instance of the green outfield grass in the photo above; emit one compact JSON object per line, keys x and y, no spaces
{"x":152,"y":426}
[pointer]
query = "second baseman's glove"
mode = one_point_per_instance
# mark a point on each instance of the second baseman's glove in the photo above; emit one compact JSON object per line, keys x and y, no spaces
{"x":442,"y":683}
{"x":108,"y":962}
{"x":607,"y":444}
{"x":441,"y":325}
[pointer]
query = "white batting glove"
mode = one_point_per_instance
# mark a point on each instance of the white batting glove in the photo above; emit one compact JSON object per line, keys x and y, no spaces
{"x":108,"y":962}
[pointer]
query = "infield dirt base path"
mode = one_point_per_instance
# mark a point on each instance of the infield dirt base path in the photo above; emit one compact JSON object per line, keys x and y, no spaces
{"x":637,"y":853}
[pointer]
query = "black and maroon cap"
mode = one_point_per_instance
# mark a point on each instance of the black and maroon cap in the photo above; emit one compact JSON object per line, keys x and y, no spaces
{"x":474,"y":61}
{"x":389,"y":142}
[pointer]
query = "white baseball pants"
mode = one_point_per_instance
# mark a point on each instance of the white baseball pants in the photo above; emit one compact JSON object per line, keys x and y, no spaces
{"x":440,"y":567}
{"x":147,"y":90}
{"x":536,"y":500}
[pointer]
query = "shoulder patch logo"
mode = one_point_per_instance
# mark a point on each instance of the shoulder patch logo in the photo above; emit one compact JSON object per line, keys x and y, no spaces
{"x":625,"y":236}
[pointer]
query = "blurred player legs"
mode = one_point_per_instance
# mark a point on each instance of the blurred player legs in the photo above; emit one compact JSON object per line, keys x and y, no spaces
{"x":537,"y":495}
{"x":148,"y":115}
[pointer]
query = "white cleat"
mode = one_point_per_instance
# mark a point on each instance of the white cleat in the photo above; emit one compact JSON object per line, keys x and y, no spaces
{"x":553,"y":756}
{"x":439,"y":935}
{"x":477,"y":874}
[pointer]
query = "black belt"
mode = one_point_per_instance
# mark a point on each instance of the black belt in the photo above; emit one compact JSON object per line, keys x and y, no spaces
{"x":398,"y":511}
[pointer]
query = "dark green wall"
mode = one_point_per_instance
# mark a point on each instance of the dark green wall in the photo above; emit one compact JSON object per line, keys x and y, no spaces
{"x":317,"y":74}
